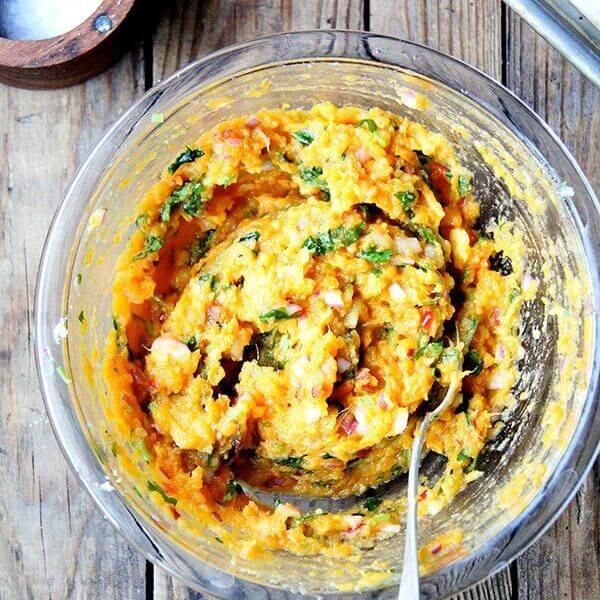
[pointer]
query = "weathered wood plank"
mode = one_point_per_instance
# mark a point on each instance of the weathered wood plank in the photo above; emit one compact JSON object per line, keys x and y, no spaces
{"x":53,"y":541}
{"x":565,"y":563}
{"x":470,"y":31}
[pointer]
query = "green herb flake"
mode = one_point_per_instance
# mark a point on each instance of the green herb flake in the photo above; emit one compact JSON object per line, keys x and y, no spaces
{"x":157,"y":118}
{"x":233,"y":489}
{"x":304,"y":136}
{"x":407,"y":200}
{"x":152,"y":406}
{"x":371,"y":503}
{"x":210,"y":278}
{"x":369,"y":123}
{"x":187,"y":156}
{"x":192,"y":343}
{"x":139,"y":444}
{"x":78,"y":279}
{"x":473,"y":362}
{"x":464,"y":185}
{"x":313,"y":176}
{"x":114,"y":448}
{"x":432,"y":350}
{"x":140,"y":221}
{"x":462,"y":457}
{"x":514,"y":294}
{"x":153,"y":243}
{"x":252,"y":236}
{"x":115,"y":323}
{"x":201,"y":247}
{"x":218,"y":539}
{"x":188,"y":195}
{"x":373,"y":255}
{"x":276,"y":314}
{"x":81,"y":317}
{"x":380,"y":518}
{"x":294,"y":462}
{"x":154,"y":487}
{"x":62,"y":374}
{"x":333,"y":239}
{"x":467,"y":328}
{"x":448,"y":174}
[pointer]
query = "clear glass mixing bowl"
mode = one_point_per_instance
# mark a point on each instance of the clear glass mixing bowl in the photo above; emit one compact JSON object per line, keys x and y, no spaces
{"x":551,"y":436}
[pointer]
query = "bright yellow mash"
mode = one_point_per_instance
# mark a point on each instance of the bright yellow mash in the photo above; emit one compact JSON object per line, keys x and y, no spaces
{"x":290,"y":303}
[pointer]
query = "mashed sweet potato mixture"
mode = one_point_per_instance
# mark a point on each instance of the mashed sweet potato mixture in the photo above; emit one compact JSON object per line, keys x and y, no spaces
{"x":298,"y":292}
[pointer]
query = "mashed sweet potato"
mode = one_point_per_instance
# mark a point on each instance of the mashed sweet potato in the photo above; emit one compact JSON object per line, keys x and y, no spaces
{"x":288,"y":306}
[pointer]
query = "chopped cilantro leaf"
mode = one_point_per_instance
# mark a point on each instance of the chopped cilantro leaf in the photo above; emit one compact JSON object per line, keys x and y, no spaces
{"x":253,"y":235}
{"x":154,"y":487}
{"x":187,"y":156}
{"x":449,"y":174}
{"x":201,"y":247}
{"x":152,"y":244}
{"x":304,"y":136}
{"x":372,"y":503}
{"x":313,"y":176}
{"x":467,"y":328}
{"x":192,"y":343}
{"x":369,"y":123}
{"x":188,"y":195}
{"x":210,"y":278}
{"x":277,"y":314}
{"x":380,"y":518}
{"x":373,"y":255}
{"x":139,"y":444}
{"x":473,"y":362}
{"x":140,"y":220}
{"x":408,"y":202}
{"x":333,"y":239}
{"x":63,"y":374}
{"x":290,"y":461}
{"x":81,"y":317}
{"x":462,"y":457}
{"x":78,"y":279}
{"x":432,"y":350}
{"x":233,"y":489}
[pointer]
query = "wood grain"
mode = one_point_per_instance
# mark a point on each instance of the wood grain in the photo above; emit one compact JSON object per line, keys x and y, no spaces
{"x":54,"y":543}
{"x":565,"y":563}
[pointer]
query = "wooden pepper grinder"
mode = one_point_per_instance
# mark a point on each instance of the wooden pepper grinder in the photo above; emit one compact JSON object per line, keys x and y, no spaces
{"x":67,"y":58}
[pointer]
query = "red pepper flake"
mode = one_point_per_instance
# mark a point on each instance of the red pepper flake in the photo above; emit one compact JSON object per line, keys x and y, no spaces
{"x":217,"y":516}
{"x":174,"y":512}
{"x":436,"y":549}
{"x":427,"y":319}
{"x":410,"y":352}
{"x":472,"y":237}
{"x":423,"y":495}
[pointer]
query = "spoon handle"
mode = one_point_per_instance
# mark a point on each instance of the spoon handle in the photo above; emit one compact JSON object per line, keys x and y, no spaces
{"x":409,"y":582}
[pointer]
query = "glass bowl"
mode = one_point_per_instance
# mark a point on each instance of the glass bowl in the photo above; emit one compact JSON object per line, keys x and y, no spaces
{"x":521,"y":172}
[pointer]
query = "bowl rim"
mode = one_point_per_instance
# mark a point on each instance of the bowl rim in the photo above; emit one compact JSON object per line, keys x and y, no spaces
{"x":45,"y":264}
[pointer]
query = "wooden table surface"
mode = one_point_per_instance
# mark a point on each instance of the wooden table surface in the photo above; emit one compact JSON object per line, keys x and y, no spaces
{"x":54,"y":543}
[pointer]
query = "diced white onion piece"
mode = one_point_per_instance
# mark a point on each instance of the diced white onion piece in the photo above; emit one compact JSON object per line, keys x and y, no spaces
{"x":312,"y":414}
{"x":252,"y":122}
{"x":264,"y":137}
{"x":343,"y":365}
{"x":362,"y":155}
{"x":164,"y":346}
{"x":409,"y":98}
{"x":383,"y":401}
{"x":361,"y":418}
{"x":500,"y":380}
{"x":293,"y":309}
{"x":332,"y":298}
{"x":431,"y":251}
{"x":351,"y":319}
{"x":96,"y":219}
{"x":390,"y":528}
{"x":407,"y":245}
{"x":267,"y":166}
{"x":60,"y":330}
{"x":353,"y":522}
{"x":500,"y":353}
{"x":400,"y":421}
{"x":396,"y":292}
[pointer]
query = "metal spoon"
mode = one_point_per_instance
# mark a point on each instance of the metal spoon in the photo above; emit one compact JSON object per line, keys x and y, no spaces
{"x":409,"y":580}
